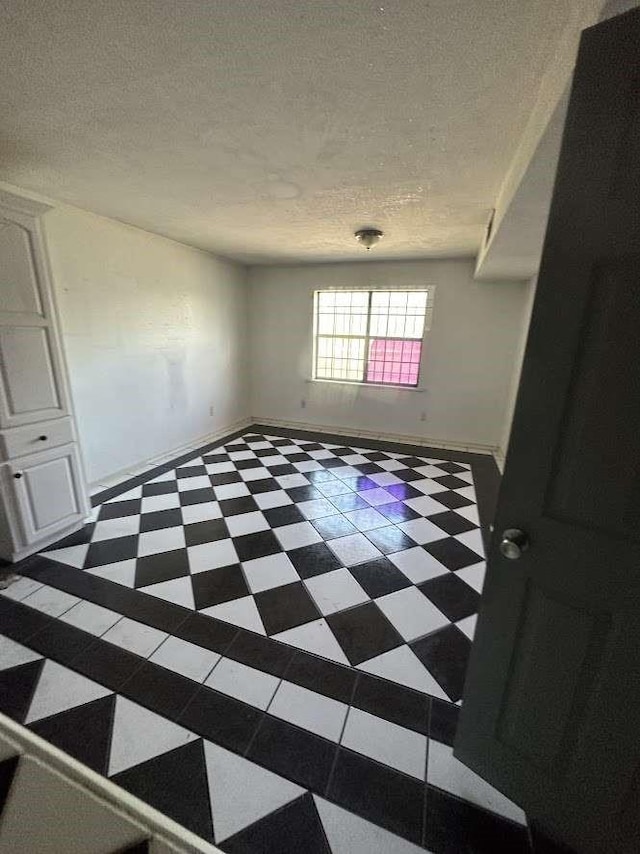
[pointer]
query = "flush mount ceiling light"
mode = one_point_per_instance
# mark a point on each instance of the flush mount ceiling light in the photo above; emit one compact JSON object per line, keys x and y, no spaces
{"x":368,"y":236}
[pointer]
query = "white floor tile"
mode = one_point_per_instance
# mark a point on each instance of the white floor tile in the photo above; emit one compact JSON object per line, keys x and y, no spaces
{"x":297,"y":535}
{"x":366,"y":519}
{"x":244,"y":683}
{"x":430,"y":471}
{"x":134,"y":636}
{"x":231,"y":490}
{"x":186,"y":484}
{"x":21,"y":588}
{"x":473,"y":539}
{"x":335,"y":591}
{"x":467,"y":492}
{"x":201,"y":512}
{"x":429,"y":487}
{"x":422,"y":530}
{"x":59,"y":689}
{"x":240,"y":612}
{"x":403,"y":666}
{"x":308,"y":465}
{"x":424,"y":505}
{"x":211,"y":555}
{"x":473,"y":575}
{"x":349,"y":834}
{"x":153,"y":503}
{"x":12,"y":654}
{"x":121,"y":572}
{"x":393,"y":745}
{"x":91,"y":618}
{"x":417,"y":564}
{"x":468,"y":625}
{"x":165,"y":476}
{"x":385,"y":478}
{"x":412,"y":614}
{"x":255,"y":474}
{"x":353,"y":549}
{"x":448,"y":773}
{"x":224,"y":468}
{"x":246,"y":523}
{"x":470,"y":513}
{"x":332,"y":487}
{"x":51,"y":601}
{"x":311,"y":711}
{"x":315,"y":637}
{"x":71,"y":555}
{"x":289,"y":481}
{"x":378,"y":497}
{"x":275,"y":498}
{"x":263,"y":573}
{"x":194,"y":662}
{"x":139,"y":735}
{"x":316,"y":508}
{"x":178,"y":590}
{"x":163,"y":540}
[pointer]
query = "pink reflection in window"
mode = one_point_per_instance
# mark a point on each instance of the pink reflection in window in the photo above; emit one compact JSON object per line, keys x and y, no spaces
{"x":396,"y":362}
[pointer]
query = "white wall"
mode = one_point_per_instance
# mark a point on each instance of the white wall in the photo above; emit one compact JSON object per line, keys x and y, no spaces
{"x":517,"y":370}
{"x":154,"y":334}
{"x":467,"y":365}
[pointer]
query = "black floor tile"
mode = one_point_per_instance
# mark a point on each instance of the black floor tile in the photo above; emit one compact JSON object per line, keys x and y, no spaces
{"x":452,"y":500}
{"x":360,"y":484}
{"x":111,"y":551}
{"x":107,"y":664}
{"x":452,"y":553}
{"x":451,"y":468}
{"x":412,"y":462}
{"x":303,"y":493}
{"x":325,"y":677}
{"x":443,"y":721}
{"x":197,"y":496}
{"x":20,"y":622}
{"x":206,"y":532}
{"x":120,"y":508}
{"x":234,"y":506}
{"x":452,"y":523}
{"x":403,"y":491}
{"x":164,"y":566}
{"x":331,"y":527}
{"x":160,"y":519}
{"x":298,"y":755}
{"x":161,"y":690}
{"x":83,"y":732}
{"x":392,"y":702}
{"x":451,"y":595}
{"x":8,"y":768}
{"x":225,"y":478}
{"x":298,"y":458}
{"x":313,"y":560}
{"x":376,"y":456}
{"x":369,"y":468}
{"x":279,"y":516}
{"x":363,"y":632}
{"x":252,"y":546}
{"x":378,"y":793}
{"x":201,"y":630}
{"x":450,"y":481}
{"x":221,"y":719}
{"x":176,"y":784}
{"x":61,"y":642}
{"x":218,"y":585}
{"x":243,"y":465}
{"x":282,"y":469}
{"x":16,"y":689}
{"x":453,"y":825}
{"x":347,"y":502}
{"x":445,"y":654}
{"x":261,"y":653}
{"x":265,"y":484}
{"x":320,"y":476}
{"x":398,"y":512}
{"x":294,"y":828}
{"x":191,"y":471}
{"x":379,"y":577}
{"x":212,"y":459}
{"x":285,"y":607}
{"x":162,"y":488}
{"x":78,"y":538}
{"x":306,"y":446}
{"x":389,"y":539}
{"x":408,"y":475}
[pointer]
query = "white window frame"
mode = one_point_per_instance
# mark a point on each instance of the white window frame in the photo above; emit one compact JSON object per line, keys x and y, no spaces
{"x":428,"y":318}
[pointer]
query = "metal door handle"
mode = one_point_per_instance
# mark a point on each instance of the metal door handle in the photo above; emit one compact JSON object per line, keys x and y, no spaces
{"x":513,"y":543}
{"x":18,"y":475}
{"x":43,"y":438}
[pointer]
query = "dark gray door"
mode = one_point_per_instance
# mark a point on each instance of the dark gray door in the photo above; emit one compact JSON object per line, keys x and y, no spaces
{"x":551,"y":710}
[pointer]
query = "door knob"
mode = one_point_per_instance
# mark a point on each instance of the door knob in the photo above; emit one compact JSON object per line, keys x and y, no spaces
{"x":43,"y":438}
{"x":513,"y":543}
{"x":18,"y":475}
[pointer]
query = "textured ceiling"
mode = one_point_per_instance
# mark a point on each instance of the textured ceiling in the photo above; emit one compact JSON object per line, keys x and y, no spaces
{"x":270,"y":129}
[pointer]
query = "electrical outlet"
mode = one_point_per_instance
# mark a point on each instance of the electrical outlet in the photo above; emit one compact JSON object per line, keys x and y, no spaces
{"x":423,"y":416}
{"x":211,"y":410}
{"x":303,"y":404}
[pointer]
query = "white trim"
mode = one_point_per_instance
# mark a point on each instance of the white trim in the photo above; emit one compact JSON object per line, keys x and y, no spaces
{"x":499,"y":457}
{"x":401,"y":438}
{"x":151,"y":462}
{"x":149,"y":820}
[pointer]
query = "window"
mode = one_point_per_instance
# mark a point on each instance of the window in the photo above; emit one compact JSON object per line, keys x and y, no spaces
{"x":370,"y":336}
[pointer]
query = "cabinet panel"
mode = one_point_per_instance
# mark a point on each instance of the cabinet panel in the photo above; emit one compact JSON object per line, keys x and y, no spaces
{"x":48,"y":492}
{"x":30,"y":391}
{"x":32,"y":438}
{"x":19,"y":288}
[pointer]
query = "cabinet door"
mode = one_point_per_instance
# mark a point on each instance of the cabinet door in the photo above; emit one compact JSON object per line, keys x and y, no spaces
{"x":48,"y":494}
{"x":31,"y":379}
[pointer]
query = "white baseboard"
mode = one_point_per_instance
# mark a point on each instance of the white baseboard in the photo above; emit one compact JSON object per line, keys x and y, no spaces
{"x":402,"y":438}
{"x":151,"y":462}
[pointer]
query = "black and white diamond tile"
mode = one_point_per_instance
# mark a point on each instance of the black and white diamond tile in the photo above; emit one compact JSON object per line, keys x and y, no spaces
{"x":365,"y":557}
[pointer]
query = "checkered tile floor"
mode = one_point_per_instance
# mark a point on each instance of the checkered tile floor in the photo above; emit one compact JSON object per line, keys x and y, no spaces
{"x":368,"y":558}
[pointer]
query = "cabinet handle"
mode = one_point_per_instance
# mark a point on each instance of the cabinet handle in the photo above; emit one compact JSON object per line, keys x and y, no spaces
{"x":18,"y":475}
{"x":43,"y":438}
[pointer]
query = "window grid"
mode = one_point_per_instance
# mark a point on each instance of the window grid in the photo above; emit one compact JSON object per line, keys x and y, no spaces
{"x":370,"y":337}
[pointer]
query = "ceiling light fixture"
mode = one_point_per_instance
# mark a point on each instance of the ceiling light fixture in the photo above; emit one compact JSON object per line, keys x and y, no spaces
{"x":368,"y":236}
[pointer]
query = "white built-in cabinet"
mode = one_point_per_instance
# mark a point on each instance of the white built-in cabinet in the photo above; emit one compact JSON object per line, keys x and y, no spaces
{"x":42,"y":490}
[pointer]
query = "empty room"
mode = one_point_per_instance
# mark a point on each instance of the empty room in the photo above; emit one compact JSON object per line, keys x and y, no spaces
{"x":319,"y":505}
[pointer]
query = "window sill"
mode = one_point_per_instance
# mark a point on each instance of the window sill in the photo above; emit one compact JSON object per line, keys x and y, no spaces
{"x":381,"y":387}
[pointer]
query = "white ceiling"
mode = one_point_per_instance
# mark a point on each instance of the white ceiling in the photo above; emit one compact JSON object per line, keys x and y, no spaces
{"x":269,"y":130}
